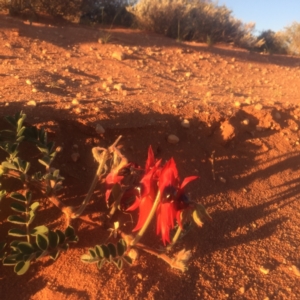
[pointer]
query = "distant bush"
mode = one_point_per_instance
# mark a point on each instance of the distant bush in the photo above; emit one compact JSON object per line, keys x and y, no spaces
{"x":105,"y":10}
{"x":291,"y":36}
{"x":273,"y":42}
{"x":193,"y":20}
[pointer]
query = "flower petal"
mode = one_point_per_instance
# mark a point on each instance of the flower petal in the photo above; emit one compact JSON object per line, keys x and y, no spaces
{"x":145,"y":206}
{"x":187,"y":180}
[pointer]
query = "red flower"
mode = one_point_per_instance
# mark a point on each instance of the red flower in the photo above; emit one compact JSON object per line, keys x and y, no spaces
{"x":172,"y":197}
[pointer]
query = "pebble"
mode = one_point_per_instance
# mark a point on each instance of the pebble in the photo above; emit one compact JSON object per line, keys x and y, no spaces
{"x":296,"y":270}
{"x":28,"y":82}
{"x":258,"y":106}
{"x":246,"y":122}
{"x":118,"y":86}
{"x":75,"y":156}
{"x":118,"y":55}
{"x":100,"y":129}
{"x":185,"y":123}
{"x":242,"y":290}
{"x":34,"y":90}
{"x":173,"y":139}
{"x":75,"y":102}
{"x":277,"y":116}
{"x":31,"y":103}
{"x":237,"y":104}
{"x":188,"y":74}
{"x":222,"y":179}
{"x":208,"y":94}
{"x":264,"y":271}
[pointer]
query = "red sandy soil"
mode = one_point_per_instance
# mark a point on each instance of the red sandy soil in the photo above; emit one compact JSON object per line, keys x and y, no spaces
{"x":242,"y":106}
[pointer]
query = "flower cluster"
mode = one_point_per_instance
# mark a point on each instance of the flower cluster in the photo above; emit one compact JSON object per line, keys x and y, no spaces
{"x":163,"y":182}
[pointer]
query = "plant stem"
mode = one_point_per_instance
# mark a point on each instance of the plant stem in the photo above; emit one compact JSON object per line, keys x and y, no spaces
{"x":85,"y":202}
{"x":175,"y":238}
{"x":148,"y":220}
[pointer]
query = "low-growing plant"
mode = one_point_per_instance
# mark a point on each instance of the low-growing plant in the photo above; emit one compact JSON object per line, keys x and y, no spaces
{"x":155,"y":191}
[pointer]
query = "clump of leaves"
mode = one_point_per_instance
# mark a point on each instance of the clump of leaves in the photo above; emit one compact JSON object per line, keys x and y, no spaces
{"x":31,"y":243}
{"x":110,"y":253}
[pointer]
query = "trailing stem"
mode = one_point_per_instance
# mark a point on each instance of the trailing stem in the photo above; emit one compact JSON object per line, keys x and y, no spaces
{"x":148,"y":220}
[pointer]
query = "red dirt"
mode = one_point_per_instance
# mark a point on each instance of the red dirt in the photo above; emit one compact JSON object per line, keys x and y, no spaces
{"x":254,"y":201}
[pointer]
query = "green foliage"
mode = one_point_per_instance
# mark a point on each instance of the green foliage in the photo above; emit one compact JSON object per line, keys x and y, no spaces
{"x":110,"y":253}
{"x":29,"y":244}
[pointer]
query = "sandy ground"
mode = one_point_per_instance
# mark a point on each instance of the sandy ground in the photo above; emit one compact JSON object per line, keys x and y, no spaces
{"x":241,"y":106}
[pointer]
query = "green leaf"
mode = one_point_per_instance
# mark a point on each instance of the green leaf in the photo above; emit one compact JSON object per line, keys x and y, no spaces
{"x":9,"y":260}
{"x":39,"y":230}
{"x":2,"y":194}
{"x":45,"y":161}
{"x":16,"y":219}
{"x":31,"y":217}
{"x":121,"y":247}
{"x":101,"y":263}
{"x":42,"y":242}
{"x":28,"y":196}
{"x":25,"y":247}
{"x":21,"y":131}
{"x":118,"y":263}
{"x":69,"y":232}
{"x":17,"y":196}
{"x":112,"y":250}
{"x":34,"y":206}
{"x":18,"y":207}
{"x":99,"y":251}
{"x":7,"y":165}
{"x":17,"y":232}
{"x":127,"y":259}
{"x":54,"y":255}
{"x":61,"y":236}
{"x":53,"y":239}
{"x":22,"y":267}
{"x":92,"y":253}
{"x":86,"y":258}
{"x":105,"y":251}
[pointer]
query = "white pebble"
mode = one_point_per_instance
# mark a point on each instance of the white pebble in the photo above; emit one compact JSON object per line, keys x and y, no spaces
{"x":31,"y":103}
{"x":185,"y":123}
{"x":173,"y":139}
{"x":100,"y":129}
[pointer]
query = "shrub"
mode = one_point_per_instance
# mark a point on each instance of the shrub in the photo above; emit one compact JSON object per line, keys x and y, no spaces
{"x":273,"y":42}
{"x":198,"y":20}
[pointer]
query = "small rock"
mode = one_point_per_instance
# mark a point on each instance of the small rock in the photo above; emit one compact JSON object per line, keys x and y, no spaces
{"x":264,"y":270}
{"x":75,"y":156}
{"x":208,"y":94}
{"x":188,"y":74}
{"x":28,"y":82}
{"x":118,"y":55}
{"x":185,"y":123}
{"x":173,"y":139}
{"x":34,"y":90}
{"x":277,"y":115}
{"x":242,"y":290}
{"x":246,"y":122}
{"x":59,"y":149}
{"x":258,"y":106}
{"x":124,"y":93}
{"x":75,"y":102}
{"x":237,"y":104}
{"x":31,"y":103}
{"x":118,"y":86}
{"x":296,"y":270}
{"x":100,"y":129}
{"x":222,"y":179}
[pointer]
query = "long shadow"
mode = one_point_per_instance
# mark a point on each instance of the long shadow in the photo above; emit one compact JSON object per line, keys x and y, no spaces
{"x":139,"y":131}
